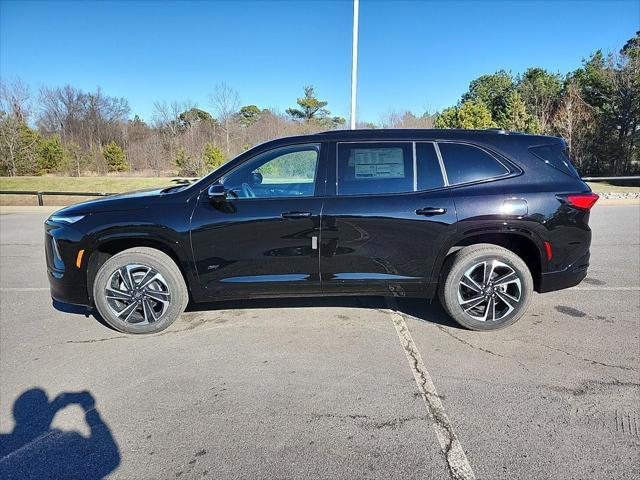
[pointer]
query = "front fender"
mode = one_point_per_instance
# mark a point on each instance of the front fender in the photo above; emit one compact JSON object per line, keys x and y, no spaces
{"x":110,"y":237}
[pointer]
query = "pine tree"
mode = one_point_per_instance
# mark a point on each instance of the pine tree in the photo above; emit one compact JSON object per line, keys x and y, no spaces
{"x":474,"y":114}
{"x":212,"y":156}
{"x":50,"y":154}
{"x":181,"y":161}
{"x":471,"y":115}
{"x":516,"y":116}
{"x":115,"y":158}
{"x":448,"y":118}
{"x":312,"y":110}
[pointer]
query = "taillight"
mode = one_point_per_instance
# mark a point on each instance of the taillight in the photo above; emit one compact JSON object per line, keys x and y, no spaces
{"x":582,"y":200}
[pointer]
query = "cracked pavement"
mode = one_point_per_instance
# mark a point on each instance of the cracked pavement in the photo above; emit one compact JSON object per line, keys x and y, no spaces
{"x":321,"y":388}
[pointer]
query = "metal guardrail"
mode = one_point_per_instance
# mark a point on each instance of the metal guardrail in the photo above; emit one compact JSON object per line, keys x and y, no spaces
{"x":41,"y":194}
{"x":598,"y":179}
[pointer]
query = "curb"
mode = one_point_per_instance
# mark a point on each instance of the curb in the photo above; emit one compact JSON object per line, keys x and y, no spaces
{"x":610,"y":202}
{"x":28,"y":209}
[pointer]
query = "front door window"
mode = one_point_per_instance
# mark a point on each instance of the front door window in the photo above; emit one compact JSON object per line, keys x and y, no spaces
{"x":283,"y":172}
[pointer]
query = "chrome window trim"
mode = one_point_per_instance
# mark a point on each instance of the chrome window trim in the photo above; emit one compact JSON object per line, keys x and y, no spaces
{"x":415,"y":169}
{"x":445,"y":179}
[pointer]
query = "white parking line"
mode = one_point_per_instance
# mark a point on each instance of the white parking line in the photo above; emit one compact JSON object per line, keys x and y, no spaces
{"x":24,"y":289}
{"x":595,"y":289}
{"x":456,"y":459}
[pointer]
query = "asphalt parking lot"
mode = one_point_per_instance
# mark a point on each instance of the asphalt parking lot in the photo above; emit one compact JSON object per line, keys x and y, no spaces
{"x":325,"y":388}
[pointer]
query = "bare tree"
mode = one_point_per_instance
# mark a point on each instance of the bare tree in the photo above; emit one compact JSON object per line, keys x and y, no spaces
{"x":573,"y":119}
{"x":17,"y":142}
{"x":15,"y":99}
{"x":165,"y":121}
{"x":406,"y":119}
{"x":624,"y":99}
{"x":89,"y":119}
{"x":225,"y":102}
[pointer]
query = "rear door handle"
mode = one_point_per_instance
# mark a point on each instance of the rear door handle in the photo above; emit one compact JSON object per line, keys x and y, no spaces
{"x":430,"y":211}
{"x":295,"y":214}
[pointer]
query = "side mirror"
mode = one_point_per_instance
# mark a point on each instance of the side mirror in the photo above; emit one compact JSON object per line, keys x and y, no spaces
{"x":217,"y":192}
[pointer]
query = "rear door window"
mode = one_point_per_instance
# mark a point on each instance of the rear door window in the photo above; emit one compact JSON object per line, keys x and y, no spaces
{"x":373,"y":168}
{"x":467,"y":163}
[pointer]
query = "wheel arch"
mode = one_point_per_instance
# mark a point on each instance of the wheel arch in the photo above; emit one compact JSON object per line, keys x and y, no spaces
{"x":109,"y":245}
{"x":522,"y":242}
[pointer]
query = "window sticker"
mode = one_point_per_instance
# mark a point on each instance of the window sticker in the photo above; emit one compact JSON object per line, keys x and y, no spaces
{"x":377,"y":163}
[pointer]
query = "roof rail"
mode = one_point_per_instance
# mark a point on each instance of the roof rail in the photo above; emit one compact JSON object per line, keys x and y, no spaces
{"x":498,"y":130}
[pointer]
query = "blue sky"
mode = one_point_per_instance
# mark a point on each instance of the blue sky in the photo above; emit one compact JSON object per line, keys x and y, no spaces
{"x":413,"y":55}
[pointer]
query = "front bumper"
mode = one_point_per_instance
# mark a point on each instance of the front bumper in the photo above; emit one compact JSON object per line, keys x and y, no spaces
{"x":66,"y":292}
{"x":569,"y":277}
{"x":67,"y":281}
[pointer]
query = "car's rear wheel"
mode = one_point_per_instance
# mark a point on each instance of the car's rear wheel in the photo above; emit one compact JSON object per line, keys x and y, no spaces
{"x":140,"y":290}
{"x":485,"y":287}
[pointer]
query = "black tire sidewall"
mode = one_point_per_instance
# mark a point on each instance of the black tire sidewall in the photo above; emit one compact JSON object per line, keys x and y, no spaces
{"x":464,"y":260}
{"x":162,"y":263}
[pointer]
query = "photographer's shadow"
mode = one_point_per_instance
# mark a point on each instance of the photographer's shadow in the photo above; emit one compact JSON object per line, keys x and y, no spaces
{"x":36,"y":450}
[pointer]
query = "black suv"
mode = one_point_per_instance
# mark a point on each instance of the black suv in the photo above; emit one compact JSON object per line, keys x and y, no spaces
{"x":482,"y":218}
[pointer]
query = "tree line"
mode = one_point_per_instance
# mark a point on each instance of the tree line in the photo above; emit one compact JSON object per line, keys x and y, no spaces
{"x":69,"y":131}
{"x":595,"y":108}
{"x":66,"y":130}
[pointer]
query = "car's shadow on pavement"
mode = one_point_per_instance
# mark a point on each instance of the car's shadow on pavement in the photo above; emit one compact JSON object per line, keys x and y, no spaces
{"x":418,"y":308}
{"x":80,"y":310}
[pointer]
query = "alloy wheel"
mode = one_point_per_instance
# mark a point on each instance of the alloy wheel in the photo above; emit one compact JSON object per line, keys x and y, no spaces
{"x":489,"y":291}
{"x":137,"y":294}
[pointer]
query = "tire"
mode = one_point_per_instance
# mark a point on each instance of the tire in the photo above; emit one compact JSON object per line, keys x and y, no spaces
{"x":158,"y":297}
{"x":470,"y":299}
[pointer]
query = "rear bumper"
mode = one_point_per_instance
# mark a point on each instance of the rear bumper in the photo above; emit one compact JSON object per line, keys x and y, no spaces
{"x":569,"y":277}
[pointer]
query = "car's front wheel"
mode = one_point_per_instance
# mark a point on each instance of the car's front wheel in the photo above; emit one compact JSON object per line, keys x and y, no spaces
{"x":140,"y":290}
{"x":485,"y":287}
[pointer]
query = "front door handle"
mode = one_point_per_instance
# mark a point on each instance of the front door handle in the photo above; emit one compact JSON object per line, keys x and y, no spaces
{"x":430,"y":211}
{"x":295,"y":214}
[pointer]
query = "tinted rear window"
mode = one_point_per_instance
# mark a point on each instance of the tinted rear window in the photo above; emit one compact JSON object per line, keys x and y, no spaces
{"x":428,"y":167}
{"x":466,"y":163}
{"x":556,"y":156}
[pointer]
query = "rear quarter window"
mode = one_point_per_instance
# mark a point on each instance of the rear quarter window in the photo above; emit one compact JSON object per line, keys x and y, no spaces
{"x":555,"y":156}
{"x":467,"y":163}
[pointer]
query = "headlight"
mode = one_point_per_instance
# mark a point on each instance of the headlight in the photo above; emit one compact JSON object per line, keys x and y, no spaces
{"x":62,"y":218}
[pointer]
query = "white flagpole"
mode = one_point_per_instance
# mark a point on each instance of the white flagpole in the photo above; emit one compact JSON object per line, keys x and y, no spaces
{"x":354,"y":63}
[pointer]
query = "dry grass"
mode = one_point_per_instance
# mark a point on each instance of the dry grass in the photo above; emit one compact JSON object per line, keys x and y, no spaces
{"x":605,"y":187}
{"x":111,"y":184}
{"x":117,"y":184}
